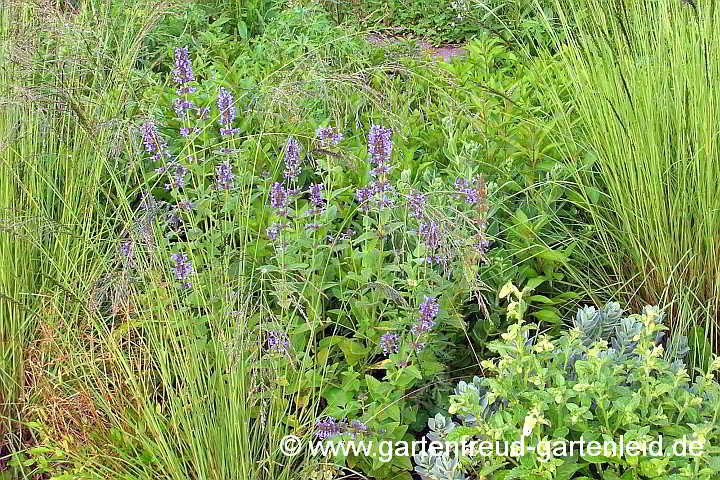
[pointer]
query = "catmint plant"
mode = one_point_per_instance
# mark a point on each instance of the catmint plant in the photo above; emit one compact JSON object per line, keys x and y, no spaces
{"x":153,"y":142}
{"x":278,"y":342}
{"x":279,"y":196}
{"x":183,"y":72}
{"x":182,"y":269}
{"x":226,"y":106}
{"x":429,"y":309}
{"x":224,"y":176}
{"x":389,"y":343}
{"x":328,"y":136}
{"x":292,"y":159}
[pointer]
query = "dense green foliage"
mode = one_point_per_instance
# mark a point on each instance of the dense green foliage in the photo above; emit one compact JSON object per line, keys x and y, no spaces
{"x":232,"y":221}
{"x":607,"y":379}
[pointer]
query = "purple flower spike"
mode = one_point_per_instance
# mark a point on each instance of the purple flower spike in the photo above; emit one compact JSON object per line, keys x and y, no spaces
{"x":328,"y":136}
{"x":226,"y":105}
{"x":277,"y":342}
{"x":183,"y":72}
{"x":292,"y":159}
{"x":380,"y":145}
{"x":329,"y":428}
{"x":316,"y":198}
{"x":429,"y":308}
{"x":416,"y":204}
{"x":428,"y":311}
{"x":389,"y":343}
{"x":153,"y":142}
{"x":363,"y":196}
{"x":279,"y":198}
{"x":182,"y":269}
{"x":180,"y":105}
{"x":224,"y":176}
{"x":125,"y":251}
{"x":177,"y":175}
{"x":471,"y":190}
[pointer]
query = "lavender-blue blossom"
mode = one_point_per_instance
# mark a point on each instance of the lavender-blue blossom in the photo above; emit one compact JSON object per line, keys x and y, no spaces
{"x":224,"y":176}
{"x":328,"y":135}
{"x":278,"y":198}
{"x":389,"y":343}
{"x":182,"y":268}
{"x":226,"y":105}
{"x":329,"y":427}
{"x":380,"y":145}
{"x":469,"y":190}
{"x":278,"y":342}
{"x":416,"y":204}
{"x":274,"y":230}
{"x":153,"y":142}
{"x":183,"y":72}
{"x":181,"y":105}
{"x":292,"y":159}
{"x":126,"y":253}
{"x":429,"y":309}
{"x":317,"y":200}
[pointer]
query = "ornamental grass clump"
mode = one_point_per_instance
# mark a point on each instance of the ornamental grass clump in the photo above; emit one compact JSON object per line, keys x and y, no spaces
{"x":642,"y":78}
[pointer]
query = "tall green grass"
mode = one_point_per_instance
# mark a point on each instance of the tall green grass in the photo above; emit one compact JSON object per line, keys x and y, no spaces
{"x":147,"y":403}
{"x":643,"y":79}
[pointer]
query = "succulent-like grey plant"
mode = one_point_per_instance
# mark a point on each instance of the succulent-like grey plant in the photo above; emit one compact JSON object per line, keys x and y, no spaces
{"x":625,"y":333}
{"x":598,"y":324}
{"x":439,"y":427}
{"x":440,"y":467}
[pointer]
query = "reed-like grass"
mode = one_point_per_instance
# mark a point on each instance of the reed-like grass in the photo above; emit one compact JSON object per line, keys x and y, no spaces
{"x":643,"y":79}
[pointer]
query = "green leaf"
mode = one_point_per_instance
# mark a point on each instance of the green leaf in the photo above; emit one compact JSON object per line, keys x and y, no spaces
{"x":338,"y":397}
{"x":378,"y":390}
{"x":242,"y":30}
{"x":353,"y":351}
{"x":547,"y":316}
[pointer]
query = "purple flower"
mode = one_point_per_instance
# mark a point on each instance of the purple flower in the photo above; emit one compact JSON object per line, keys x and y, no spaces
{"x":429,"y":309}
{"x":292,"y":159}
{"x":382,"y":193}
{"x":359,"y":426}
{"x":329,"y":428}
{"x":279,"y":198}
{"x":226,"y":105}
{"x":346,"y":235}
{"x":328,"y":135}
{"x":182,"y":268}
{"x":177,"y":175}
{"x":180,"y":105}
{"x":416,"y":204}
{"x":274,"y":230}
{"x":430,"y":234}
{"x":153,"y":142}
{"x":185,"y":205}
{"x":125,"y":251}
{"x":316,"y":198}
{"x":389,"y":343}
{"x":277,"y":342}
{"x":471,"y":190}
{"x":380,"y":145}
{"x":183,"y":73}
{"x":184,"y":131}
{"x":313,"y":226}
{"x":363,"y":196}
{"x":224,"y":176}
{"x":203,"y":112}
